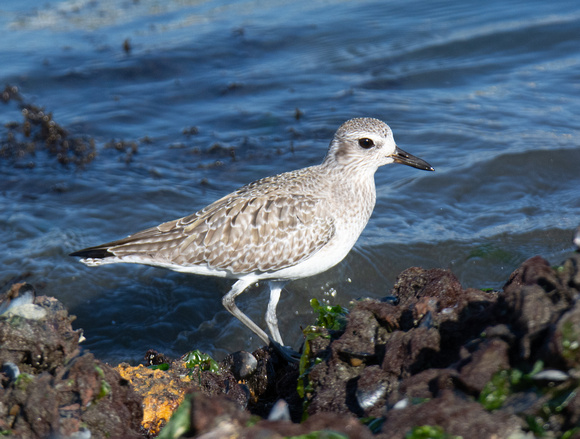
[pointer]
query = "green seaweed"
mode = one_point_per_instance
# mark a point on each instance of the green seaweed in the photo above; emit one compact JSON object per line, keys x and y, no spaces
{"x":429,"y":432}
{"x":330,"y":317}
{"x":197,"y":359}
{"x":162,"y":366}
{"x":569,"y":433}
{"x":104,"y":390}
{"x":570,"y":341}
{"x":23,"y":380}
{"x":495,"y":391}
{"x":306,"y":363}
{"x":506,"y":382}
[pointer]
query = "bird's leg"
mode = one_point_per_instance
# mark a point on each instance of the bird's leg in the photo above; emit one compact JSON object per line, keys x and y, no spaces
{"x":228,"y":302}
{"x":271,"y":318}
{"x":285,"y":352}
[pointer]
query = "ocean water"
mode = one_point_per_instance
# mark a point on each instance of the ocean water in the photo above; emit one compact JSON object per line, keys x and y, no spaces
{"x":213,"y":95}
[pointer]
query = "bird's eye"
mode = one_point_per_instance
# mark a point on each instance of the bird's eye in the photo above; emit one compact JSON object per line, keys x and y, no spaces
{"x":366,"y":143}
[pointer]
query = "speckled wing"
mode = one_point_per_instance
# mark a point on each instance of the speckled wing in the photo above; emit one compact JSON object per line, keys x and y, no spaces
{"x":251,"y":230}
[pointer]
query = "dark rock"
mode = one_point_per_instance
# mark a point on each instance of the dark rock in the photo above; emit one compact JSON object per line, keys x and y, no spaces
{"x":425,"y":360}
{"x":409,"y":352}
{"x":426,"y":384}
{"x":490,"y":357}
{"x":569,"y":273}
{"x":436,"y":283}
{"x":386,"y":313}
{"x":273,"y":379}
{"x":455,"y":414}
{"x":409,"y":284}
{"x":573,"y":409}
{"x":10,"y":372}
{"x":531,"y":314}
{"x":209,"y":413}
{"x":154,"y":358}
{"x":360,"y":336}
{"x":533,"y":271}
{"x":347,"y":425}
{"x":60,"y":391}
{"x":371,"y":390}
{"x":19,"y":338}
{"x":219,"y":417}
{"x":446,"y":344}
{"x":109,"y":406}
{"x":534,"y":299}
{"x":564,"y":342}
{"x":244,"y":365}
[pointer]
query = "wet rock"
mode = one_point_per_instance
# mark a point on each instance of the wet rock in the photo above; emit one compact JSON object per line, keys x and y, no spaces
{"x":573,"y":409}
{"x":164,"y":389}
{"x":465,"y":362}
{"x":371,"y":391}
{"x":447,"y":344}
{"x":409,"y":352}
{"x":569,"y":273}
{"x":244,"y":365}
{"x":273,"y":379}
{"x":362,"y":335}
{"x":387,"y":313}
{"x":415,"y":282}
{"x":534,"y":299}
{"x":59,"y":390}
{"x":426,"y":384}
{"x":531,"y":314}
{"x":220,"y":418}
{"x":19,"y":337}
{"x":10,"y":372}
{"x":154,"y":358}
{"x":455,"y":414}
{"x":564,"y":343}
{"x":347,"y":425}
{"x":19,"y":295}
{"x":215,"y":414}
{"x":109,"y":406}
{"x":532,"y":272}
{"x":490,"y":357}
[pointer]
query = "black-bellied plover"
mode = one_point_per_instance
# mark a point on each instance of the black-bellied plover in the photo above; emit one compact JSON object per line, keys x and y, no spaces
{"x":277,"y":229}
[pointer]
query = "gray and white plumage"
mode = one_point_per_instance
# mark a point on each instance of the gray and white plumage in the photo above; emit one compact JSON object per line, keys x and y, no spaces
{"x":288,"y":226}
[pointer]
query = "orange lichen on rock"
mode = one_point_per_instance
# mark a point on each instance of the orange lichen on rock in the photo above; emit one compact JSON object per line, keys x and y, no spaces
{"x":162,"y":392}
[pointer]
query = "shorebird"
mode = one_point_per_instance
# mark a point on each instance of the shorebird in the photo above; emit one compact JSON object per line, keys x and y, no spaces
{"x":277,"y":229}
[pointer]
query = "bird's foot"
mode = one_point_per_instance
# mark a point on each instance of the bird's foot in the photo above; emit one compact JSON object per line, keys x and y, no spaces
{"x":286,"y":352}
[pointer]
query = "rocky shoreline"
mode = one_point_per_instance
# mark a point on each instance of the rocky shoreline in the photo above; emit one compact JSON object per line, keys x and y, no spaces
{"x":431,"y":360}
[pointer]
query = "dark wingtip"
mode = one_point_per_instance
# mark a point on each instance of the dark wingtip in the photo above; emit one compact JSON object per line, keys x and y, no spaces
{"x":93,"y":253}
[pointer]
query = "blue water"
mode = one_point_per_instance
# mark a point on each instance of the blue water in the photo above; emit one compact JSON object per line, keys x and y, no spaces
{"x":488,"y":93}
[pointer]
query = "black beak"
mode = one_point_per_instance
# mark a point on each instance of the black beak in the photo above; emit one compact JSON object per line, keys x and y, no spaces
{"x":405,"y":158}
